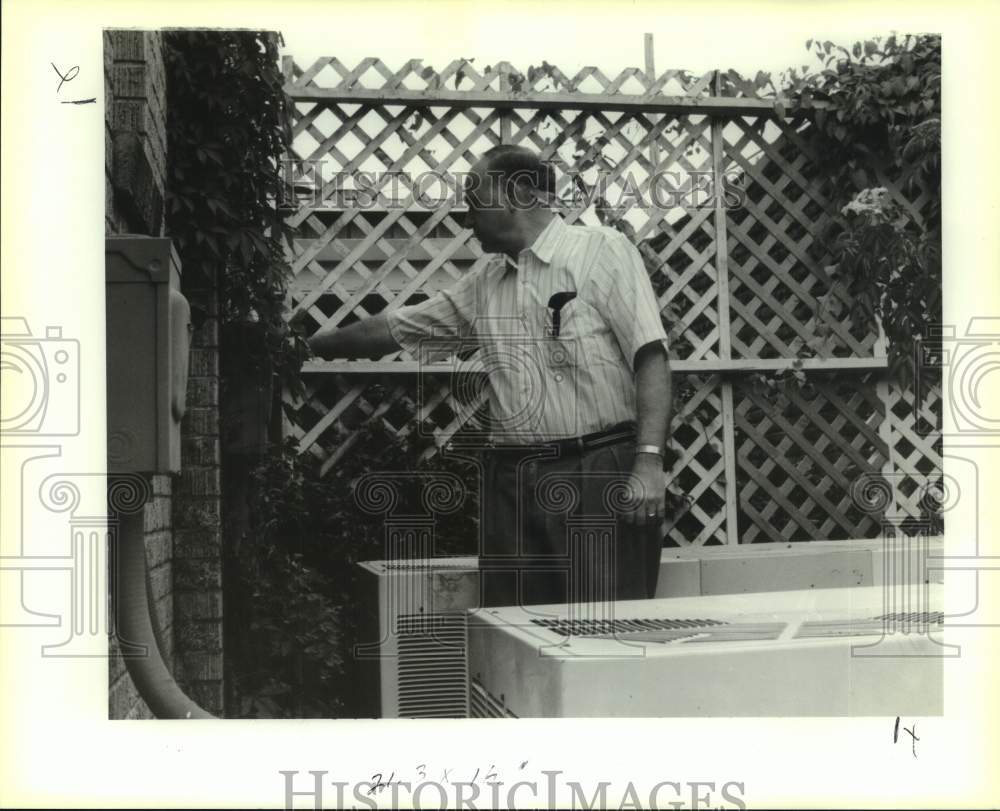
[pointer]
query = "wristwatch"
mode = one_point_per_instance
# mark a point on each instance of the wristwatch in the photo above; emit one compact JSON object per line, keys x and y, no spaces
{"x":654,"y":449}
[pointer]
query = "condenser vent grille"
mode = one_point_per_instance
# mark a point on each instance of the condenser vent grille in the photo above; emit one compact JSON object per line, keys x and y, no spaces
{"x":482,"y":704}
{"x":734,"y":632}
{"x":591,"y":627}
{"x":818,"y":629}
{"x":432,"y":666}
{"x":928,"y":617}
{"x":430,"y":565}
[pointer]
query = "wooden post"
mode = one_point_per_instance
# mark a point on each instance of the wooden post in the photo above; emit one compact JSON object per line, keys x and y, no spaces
{"x":505,"y":115}
{"x":725,"y":340}
{"x":654,"y":148}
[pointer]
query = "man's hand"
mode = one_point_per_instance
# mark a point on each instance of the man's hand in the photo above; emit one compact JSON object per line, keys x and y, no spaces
{"x":649,"y":500}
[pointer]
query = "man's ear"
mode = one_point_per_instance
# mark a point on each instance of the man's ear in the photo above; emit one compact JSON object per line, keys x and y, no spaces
{"x":521,"y":196}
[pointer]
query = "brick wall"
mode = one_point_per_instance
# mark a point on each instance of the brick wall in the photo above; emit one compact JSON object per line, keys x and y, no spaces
{"x":135,"y":132}
{"x":182,"y":521}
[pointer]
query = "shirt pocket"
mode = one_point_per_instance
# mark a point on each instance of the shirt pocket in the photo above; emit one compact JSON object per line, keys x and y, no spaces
{"x":585,"y":338}
{"x":579,"y":323}
{"x":578,"y":319}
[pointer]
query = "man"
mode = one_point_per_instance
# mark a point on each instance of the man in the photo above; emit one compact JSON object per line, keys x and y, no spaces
{"x":579,"y":388}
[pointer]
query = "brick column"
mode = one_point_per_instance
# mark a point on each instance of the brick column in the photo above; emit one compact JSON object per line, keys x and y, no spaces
{"x":136,"y":118}
{"x":198,"y":520}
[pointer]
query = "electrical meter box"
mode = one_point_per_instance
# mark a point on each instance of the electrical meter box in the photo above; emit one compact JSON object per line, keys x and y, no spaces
{"x":148,"y":341}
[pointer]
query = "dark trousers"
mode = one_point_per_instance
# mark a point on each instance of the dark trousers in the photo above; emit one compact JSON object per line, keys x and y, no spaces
{"x":554,"y":530}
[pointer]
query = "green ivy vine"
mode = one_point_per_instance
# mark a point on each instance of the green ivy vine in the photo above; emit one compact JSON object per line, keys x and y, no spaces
{"x":228,"y":127}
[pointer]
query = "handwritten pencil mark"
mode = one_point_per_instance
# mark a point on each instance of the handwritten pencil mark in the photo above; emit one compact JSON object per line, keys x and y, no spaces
{"x":71,"y":74}
{"x":911,"y":732}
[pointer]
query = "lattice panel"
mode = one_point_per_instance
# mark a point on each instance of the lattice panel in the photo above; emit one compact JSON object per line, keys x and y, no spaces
{"x":783,"y":301}
{"x":396,"y":251}
{"x":327,"y":418}
{"x":917,"y":481}
{"x":371,"y":235}
{"x":465,"y":74}
{"x":359,"y":261}
{"x":699,"y":471}
{"x":798,"y":459}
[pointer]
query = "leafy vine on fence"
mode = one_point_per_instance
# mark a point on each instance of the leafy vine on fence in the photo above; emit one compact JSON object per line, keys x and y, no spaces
{"x":228,"y":127}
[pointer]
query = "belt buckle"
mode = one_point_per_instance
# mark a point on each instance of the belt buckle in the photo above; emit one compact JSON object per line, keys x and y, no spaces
{"x":581,"y":445}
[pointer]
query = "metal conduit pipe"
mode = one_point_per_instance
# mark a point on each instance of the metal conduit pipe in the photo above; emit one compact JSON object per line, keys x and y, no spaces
{"x":150,"y":674}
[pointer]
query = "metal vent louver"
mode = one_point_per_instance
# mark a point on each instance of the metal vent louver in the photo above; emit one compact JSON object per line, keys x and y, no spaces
{"x":895,"y":621}
{"x":483,"y":704}
{"x":722,"y":632}
{"x":429,"y":564}
{"x":928,"y":617}
{"x":592,"y":627}
{"x":432,"y":666}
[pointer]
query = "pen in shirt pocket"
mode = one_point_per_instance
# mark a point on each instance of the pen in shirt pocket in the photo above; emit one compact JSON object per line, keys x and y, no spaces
{"x":556,"y":303}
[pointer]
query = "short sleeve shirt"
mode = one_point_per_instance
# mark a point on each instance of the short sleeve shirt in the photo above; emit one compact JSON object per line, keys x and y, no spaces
{"x":544,"y":386}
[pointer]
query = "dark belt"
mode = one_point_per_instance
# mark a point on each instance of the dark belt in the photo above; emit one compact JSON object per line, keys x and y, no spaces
{"x":579,"y":444}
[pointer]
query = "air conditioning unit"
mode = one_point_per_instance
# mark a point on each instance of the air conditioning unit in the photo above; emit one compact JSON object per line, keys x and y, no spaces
{"x":413,"y":612}
{"x":413,"y":623}
{"x":817,"y":652}
{"x":413,"y":654}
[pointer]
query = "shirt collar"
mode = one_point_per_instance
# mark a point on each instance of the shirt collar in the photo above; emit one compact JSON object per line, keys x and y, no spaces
{"x":545,"y":243}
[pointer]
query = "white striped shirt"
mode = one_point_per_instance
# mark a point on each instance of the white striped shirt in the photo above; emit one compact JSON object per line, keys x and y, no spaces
{"x":543,"y":387}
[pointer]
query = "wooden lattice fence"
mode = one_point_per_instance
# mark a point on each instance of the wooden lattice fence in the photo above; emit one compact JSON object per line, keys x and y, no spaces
{"x":744,"y":288}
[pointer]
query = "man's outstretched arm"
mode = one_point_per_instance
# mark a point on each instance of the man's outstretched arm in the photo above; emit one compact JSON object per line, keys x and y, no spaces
{"x":368,"y":338}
